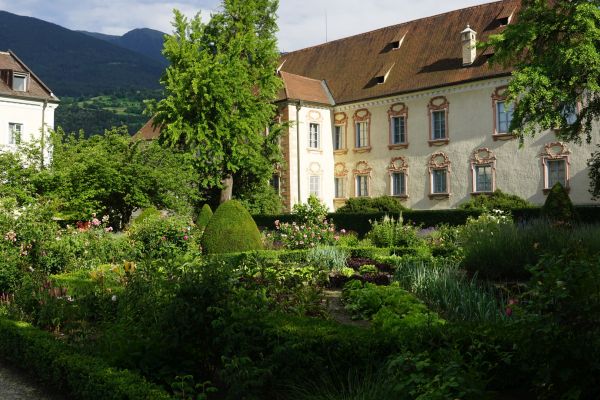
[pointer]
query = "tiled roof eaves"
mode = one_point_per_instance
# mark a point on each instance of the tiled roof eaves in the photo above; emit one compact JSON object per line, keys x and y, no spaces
{"x":49,"y":99}
{"x":303,"y":102}
{"x":416,"y":90}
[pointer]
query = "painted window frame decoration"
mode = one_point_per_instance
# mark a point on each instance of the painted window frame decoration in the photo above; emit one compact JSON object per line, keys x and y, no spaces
{"x":363,"y":170}
{"x":439,"y":161}
{"x":341,"y":173}
{"x":362,"y":116}
{"x":483,"y":157}
{"x":439,"y":104}
{"x":340,"y":119}
{"x":555,"y":151}
{"x":398,"y":110}
{"x":398,"y":165}
{"x":499,"y":95}
{"x":314,"y":117}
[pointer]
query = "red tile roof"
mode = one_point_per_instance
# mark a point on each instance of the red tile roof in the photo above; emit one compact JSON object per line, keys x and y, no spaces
{"x":36,"y":89}
{"x":298,"y":87}
{"x":429,"y":56}
{"x":147,"y":132}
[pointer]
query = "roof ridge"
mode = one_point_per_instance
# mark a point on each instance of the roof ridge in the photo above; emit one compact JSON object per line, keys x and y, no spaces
{"x":398,"y":25}
{"x":302,"y":76}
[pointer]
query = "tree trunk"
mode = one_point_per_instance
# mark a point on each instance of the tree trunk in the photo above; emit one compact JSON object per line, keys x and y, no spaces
{"x":227,"y":189}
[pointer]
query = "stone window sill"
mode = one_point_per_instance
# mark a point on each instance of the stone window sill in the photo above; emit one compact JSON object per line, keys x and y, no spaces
{"x":438,"y":142}
{"x":439,"y":196}
{"x":503,"y":136}
{"x":340,"y":151}
{"x":398,"y":146}
{"x":314,"y":150}
{"x":362,"y":149}
{"x":475,"y":194}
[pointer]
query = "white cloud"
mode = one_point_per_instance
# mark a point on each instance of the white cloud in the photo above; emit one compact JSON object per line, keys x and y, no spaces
{"x":301,"y":22}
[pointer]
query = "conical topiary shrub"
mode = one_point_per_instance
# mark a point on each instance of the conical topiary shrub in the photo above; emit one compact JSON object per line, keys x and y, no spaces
{"x":231,"y":229}
{"x":204,"y":216}
{"x":558,"y":205}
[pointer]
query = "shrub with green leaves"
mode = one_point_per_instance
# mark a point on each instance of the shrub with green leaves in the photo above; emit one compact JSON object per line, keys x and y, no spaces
{"x":558,"y":206}
{"x":562,"y":305}
{"x":231,"y":229}
{"x":158,"y":236}
{"x":391,"y":308}
{"x":204,"y":216}
{"x":497,"y":200}
{"x":386,"y":204}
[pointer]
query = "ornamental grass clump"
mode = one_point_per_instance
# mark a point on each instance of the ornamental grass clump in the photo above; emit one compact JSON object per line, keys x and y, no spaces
{"x":448,"y":290}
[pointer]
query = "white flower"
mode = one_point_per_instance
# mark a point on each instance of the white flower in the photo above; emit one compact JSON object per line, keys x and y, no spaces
{"x":114,"y":297}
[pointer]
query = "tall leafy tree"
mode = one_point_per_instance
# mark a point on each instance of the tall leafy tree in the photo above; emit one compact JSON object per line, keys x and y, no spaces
{"x":219,"y":91}
{"x":554,"y":46}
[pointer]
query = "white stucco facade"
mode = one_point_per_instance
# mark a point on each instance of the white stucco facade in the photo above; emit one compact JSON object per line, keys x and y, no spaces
{"x":471,"y":141}
{"x":35,"y":117}
{"x":27,"y":105}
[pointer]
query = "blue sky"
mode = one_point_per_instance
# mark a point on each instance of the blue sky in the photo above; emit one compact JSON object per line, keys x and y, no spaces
{"x":301,"y":22}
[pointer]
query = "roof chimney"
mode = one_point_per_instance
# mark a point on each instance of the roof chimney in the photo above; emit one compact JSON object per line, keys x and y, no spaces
{"x":469,"y":41}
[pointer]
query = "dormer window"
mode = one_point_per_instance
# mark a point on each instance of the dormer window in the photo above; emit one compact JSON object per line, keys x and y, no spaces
{"x":19,"y":82}
{"x":383,"y":73}
{"x":503,"y":21}
{"x":397,"y":40}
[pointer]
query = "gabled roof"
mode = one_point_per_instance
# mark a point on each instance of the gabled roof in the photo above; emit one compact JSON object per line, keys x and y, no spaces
{"x":148,"y":131}
{"x":296,"y":87}
{"x":36,"y":89}
{"x":429,"y":56}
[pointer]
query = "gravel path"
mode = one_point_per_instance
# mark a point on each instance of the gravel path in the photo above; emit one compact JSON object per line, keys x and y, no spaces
{"x":15,"y":385}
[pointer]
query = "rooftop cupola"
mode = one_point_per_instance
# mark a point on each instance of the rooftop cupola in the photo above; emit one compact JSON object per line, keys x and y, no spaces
{"x":469,"y":41}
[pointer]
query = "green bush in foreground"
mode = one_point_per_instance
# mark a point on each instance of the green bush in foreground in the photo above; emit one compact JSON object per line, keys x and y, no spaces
{"x":204,"y":217}
{"x":230,"y":230}
{"x":368,"y":205}
{"x":558,"y":206}
{"x":79,"y":376}
{"x":495,"y":201}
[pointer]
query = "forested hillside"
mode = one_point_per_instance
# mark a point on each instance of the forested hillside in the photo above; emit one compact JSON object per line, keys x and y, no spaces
{"x":73,"y":63}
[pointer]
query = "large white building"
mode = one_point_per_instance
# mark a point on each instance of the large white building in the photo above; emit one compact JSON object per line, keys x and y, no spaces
{"x":26,"y":104}
{"x":417,"y":112}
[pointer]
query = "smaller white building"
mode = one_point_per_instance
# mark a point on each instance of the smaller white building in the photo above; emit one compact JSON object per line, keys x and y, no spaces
{"x":26,"y":104}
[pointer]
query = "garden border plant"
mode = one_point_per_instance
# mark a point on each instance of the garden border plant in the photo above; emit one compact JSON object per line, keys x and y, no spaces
{"x":80,"y":376}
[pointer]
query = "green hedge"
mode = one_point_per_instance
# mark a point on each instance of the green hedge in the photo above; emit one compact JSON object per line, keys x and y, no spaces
{"x":236,"y":259}
{"x":360,"y":224}
{"x":81,"y":377}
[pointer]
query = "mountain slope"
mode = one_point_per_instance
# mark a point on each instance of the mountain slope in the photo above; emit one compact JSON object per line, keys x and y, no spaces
{"x":148,"y":42}
{"x":73,"y":63}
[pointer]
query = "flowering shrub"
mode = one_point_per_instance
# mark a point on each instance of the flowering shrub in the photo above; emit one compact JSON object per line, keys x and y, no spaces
{"x":304,"y":236}
{"x":158,"y":236}
{"x":313,"y":229}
